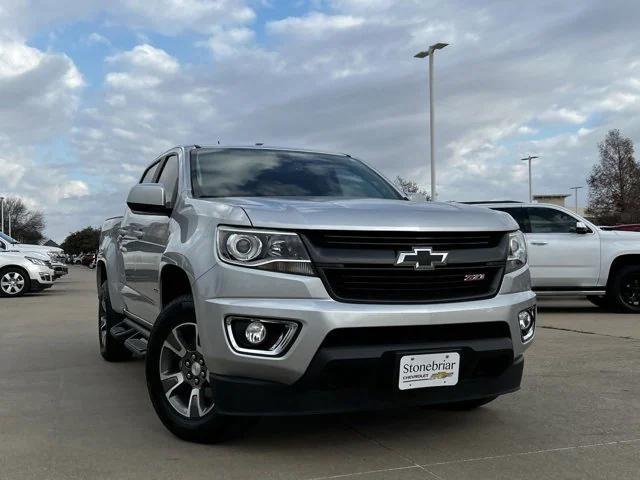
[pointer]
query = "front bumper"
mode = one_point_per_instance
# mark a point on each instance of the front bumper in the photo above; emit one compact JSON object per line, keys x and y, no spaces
{"x":311,"y":395}
{"x":319,"y":316}
{"x":315,"y":376}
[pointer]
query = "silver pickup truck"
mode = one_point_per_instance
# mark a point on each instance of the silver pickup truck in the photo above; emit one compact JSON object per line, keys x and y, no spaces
{"x":263,"y":281}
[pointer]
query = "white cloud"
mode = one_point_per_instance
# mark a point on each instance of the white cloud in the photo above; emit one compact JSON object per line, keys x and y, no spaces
{"x":561,"y":114}
{"x":97,"y":39}
{"x":36,"y":85}
{"x":314,"y":24}
{"x":146,"y":58}
{"x":70,"y":189}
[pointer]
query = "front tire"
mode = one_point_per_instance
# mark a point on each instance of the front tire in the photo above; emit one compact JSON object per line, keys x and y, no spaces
{"x":178,"y":378}
{"x":14,"y":282}
{"x":625,"y":289}
{"x":111,"y":349}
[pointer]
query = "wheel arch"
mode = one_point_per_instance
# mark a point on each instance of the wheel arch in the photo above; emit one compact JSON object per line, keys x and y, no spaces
{"x":619,"y":262}
{"x":101,"y":272}
{"x":27,"y":277}
{"x":174,"y":282}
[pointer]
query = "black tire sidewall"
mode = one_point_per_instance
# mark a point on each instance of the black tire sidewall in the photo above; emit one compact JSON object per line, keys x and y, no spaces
{"x":617,"y":287}
{"x":212,"y":427}
{"x":25,"y":275}
{"x":112,"y":350}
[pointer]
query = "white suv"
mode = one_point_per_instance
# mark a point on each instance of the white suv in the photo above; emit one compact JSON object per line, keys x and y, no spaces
{"x":20,"y":273}
{"x":569,"y":256}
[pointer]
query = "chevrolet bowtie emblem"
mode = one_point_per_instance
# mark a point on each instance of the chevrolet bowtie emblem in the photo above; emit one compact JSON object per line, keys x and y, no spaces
{"x":422,"y":258}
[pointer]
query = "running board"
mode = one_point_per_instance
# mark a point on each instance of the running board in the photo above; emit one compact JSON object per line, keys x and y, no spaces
{"x":136,"y":345}
{"x":122,"y":331}
{"x":570,"y":293}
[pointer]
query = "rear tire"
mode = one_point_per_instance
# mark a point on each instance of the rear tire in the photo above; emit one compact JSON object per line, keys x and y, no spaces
{"x":112,"y":350}
{"x":14,"y":282}
{"x":178,"y":379}
{"x":625,"y":289}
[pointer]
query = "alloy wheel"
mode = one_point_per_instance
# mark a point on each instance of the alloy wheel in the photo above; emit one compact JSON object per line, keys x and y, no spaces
{"x":630,"y":290}
{"x":12,"y":283}
{"x":184,"y":373}
{"x":102,"y":321}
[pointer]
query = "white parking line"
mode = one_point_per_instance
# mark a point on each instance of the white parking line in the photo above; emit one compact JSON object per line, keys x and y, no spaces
{"x":425,"y":466}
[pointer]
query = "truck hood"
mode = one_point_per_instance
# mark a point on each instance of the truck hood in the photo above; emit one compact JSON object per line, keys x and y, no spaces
{"x":621,"y":235}
{"x":327,"y":213}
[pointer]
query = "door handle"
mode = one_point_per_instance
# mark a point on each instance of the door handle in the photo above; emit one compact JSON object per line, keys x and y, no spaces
{"x":539,"y":243}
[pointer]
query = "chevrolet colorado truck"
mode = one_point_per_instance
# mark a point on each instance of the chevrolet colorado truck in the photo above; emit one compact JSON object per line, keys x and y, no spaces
{"x":570,"y":256}
{"x":262,"y":281}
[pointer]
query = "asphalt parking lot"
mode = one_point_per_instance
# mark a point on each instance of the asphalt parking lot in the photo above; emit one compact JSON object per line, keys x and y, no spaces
{"x":67,"y":414}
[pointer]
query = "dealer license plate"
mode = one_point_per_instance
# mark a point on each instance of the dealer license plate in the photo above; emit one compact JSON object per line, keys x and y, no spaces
{"x":429,"y":370}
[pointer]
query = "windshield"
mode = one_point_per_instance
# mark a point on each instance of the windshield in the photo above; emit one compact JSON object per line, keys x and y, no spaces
{"x":249,"y":172}
{"x":7,"y":238}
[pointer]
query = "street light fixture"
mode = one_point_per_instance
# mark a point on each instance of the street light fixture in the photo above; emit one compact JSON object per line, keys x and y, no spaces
{"x":575,"y":193}
{"x":430,"y":53}
{"x":529,"y":158}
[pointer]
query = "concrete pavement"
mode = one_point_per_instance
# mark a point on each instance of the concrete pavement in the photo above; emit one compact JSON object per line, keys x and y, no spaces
{"x":67,"y":414}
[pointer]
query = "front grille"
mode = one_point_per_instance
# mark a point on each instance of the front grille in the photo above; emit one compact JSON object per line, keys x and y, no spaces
{"x":391,"y":285}
{"x":360,"y":266}
{"x":400,"y":240}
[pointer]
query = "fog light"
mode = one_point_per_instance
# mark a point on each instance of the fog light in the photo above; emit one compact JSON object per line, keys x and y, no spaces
{"x":527,"y":323}
{"x":260,"y":336}
{"x":525,"y":320}
{"x":255,"y":333}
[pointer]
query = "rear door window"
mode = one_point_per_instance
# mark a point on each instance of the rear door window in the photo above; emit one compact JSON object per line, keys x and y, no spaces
{"x":550,"y":220}
{"x":520,"y":215}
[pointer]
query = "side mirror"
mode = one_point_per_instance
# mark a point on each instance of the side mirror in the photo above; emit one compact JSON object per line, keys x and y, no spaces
{"x":582,"y":228}
{"x":148,"y":198}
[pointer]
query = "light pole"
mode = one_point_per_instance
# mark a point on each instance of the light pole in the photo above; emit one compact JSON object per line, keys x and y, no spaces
{"x":2,"y":214}
{"x":430,"y":53}
{"x":529,"y":158}
{"x":575,"y":193}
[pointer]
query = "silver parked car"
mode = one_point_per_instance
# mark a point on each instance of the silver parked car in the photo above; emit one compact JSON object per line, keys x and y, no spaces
{"x":271,"y":281}
{"x":20,"y":273}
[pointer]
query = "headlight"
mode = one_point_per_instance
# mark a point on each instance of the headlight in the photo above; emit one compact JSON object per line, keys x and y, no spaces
{"x":263,"y":249}
{"x":517,"y":252}
{"x":36,"y":261}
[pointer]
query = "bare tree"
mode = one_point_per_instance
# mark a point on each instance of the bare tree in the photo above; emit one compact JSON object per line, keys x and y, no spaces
{"x":614,"y":183}
{"x":411,"y":189}
{"x":27,"y":225}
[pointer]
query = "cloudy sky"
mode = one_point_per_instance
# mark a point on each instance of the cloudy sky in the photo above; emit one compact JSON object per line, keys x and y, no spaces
{"x":90,"y":93}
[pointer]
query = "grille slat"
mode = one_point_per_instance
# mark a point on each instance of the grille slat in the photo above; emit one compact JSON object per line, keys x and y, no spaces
{"x":404,"y":239}
{"x":432,"y":286}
